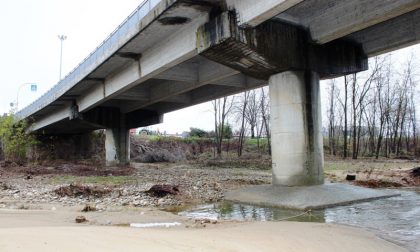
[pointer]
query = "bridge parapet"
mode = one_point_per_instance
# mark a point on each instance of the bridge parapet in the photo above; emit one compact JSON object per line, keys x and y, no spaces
{"x":120,"y":36}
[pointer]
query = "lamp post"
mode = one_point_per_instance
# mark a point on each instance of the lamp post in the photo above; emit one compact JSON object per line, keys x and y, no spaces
{"x":61,"y":38}
{"x":34,"y":88}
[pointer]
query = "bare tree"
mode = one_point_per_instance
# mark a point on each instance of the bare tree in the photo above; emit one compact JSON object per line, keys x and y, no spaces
{"x":252,"y":111}
{"x":345,"y":108}
{"x":221,"y":109}
{"x":241,"y":109}
{"x":359,"y":93}
{"x":331,"y":114}
{"x":383,"y":101}
{"x":378,"y":106}
{"x":265,"y":114}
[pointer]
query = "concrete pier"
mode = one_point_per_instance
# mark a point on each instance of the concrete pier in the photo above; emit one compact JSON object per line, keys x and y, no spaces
{"x":117,"y":146}
{"x":297,"y":153}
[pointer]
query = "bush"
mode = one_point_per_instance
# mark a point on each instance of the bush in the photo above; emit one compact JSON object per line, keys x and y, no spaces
{"x":196,"y":132}
{"x":227,"y":131}
{"x":14,"y":140}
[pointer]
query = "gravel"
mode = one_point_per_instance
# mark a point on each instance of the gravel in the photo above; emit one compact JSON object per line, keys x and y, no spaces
{"x":196,"y":185}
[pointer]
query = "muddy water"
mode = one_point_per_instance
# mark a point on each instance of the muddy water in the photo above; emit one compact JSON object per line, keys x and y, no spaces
{"x":396,"y":219}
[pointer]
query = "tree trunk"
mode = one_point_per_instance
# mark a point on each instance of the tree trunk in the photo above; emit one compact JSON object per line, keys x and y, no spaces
{"x":345,"y":118}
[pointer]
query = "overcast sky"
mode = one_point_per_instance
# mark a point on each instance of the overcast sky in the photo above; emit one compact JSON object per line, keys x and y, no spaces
{"x":30,"y":49}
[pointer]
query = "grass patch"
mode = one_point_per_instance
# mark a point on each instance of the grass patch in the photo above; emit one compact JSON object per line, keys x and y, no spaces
{"x":367,"y":165}
{"x":254,"y":141}
{"x":338,"y":166}
{"x":97,"y":180}
{"x":252,"y":164}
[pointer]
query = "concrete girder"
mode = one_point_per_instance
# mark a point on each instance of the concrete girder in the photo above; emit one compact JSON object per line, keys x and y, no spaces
{"x":380,"y":38}
{"x":184,"y":98}
{"x":208,"y":72}
{"x":252,"y":13}
{"x":209,"y":92}
{"x":54,"y":117}
{"x":328,"y":20}
{"x":111,"y":85}
{"x":140,"y":95}
{"x":111,"y":117}
{"x":185,"y":72}
{"x":154,"y":61}
{"x":163,"y":56}
{"x":275,"y":47}
{"x":237,"y":80}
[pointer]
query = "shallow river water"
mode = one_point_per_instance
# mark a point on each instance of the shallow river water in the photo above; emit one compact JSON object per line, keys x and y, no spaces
{"x":396,"y":219}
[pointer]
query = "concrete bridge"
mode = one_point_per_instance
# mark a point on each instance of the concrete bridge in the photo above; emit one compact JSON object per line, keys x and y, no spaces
{"x":171,"y":54}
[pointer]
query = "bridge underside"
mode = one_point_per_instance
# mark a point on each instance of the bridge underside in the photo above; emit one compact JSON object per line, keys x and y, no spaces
{"x":189,"y":52}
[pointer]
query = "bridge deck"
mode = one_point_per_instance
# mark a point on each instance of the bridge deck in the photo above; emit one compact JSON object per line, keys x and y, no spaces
{"x":150,"y":62}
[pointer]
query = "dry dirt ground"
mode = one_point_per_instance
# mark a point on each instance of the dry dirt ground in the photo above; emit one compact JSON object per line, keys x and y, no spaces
{"x":82,"y":184}
{"x":374,"y":173}
{"x":79,"y":184}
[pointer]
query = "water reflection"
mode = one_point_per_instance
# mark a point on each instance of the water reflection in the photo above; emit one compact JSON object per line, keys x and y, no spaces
{"x":396,"y":219}
{"x":241,"y":212}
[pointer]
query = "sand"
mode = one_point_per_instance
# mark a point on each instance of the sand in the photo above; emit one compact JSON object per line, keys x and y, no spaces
{"x":34,"y":231}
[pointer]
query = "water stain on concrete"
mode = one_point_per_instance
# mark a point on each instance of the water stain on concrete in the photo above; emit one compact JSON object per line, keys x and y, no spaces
{"x":174,"y":20}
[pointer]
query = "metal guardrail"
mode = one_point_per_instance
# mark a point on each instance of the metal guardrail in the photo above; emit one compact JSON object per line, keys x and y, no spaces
{"x":121,"y":35}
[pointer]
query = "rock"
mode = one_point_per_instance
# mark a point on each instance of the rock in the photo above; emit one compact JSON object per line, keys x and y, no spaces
{"x":161,"y":202}
{"x":89,"y":208}
{"x":144,"y":202}
{"x":163,"y":190}
{"x":81,"y":219}
{"x":415,"y":172}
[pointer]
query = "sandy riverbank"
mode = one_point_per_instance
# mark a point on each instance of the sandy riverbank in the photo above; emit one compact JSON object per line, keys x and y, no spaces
{"x":46,"y":230}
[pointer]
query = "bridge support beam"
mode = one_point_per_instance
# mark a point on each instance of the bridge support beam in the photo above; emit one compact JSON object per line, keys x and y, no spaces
{"x":297,"y":153}
{"x":285,"y":56}
{"x":117,"y":144}
{"x":296,"y":129}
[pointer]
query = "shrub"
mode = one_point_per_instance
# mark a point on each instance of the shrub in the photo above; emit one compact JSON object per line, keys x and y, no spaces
{"x":14,"y":140}
{"x":196,"y":132}
{"x":227,"y":131}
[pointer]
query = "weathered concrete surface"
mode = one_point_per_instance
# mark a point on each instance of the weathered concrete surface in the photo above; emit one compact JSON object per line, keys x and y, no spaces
{"x":275,"y":46}
{"x":117,"y":146}
{"x":296,"y":129}
{"x":328,"y":20}
{"x":253,"y":13}
{"x":375,"y":42}
{"x":306,"y":197}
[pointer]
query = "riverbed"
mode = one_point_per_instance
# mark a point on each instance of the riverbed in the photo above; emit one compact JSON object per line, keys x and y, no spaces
{"x":396,"y":219}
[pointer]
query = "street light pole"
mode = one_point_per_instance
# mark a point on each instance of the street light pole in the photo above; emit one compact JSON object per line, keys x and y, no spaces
{"x":61,"y":38}
{"x":33,"y":89}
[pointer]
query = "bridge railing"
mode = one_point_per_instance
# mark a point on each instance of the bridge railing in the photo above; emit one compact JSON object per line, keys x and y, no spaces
{"x":121,"y":35}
